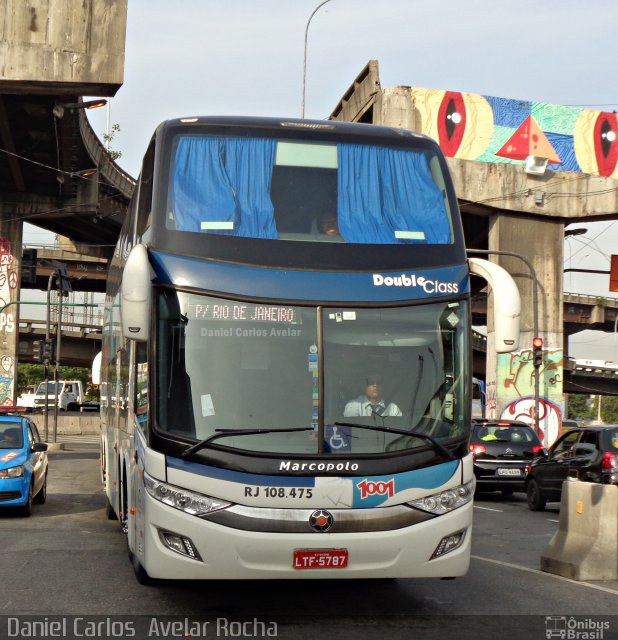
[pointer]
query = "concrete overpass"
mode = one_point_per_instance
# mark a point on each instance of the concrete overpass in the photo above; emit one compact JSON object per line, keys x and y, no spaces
{"x":54,"y":172}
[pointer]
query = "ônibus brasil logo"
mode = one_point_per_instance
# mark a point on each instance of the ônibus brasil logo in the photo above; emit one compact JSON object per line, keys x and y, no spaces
{"x":371,"y":488}
{"x":426,"y":284}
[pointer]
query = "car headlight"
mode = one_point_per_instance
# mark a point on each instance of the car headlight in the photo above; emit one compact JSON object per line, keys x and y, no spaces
{"x":191,"y":502}
{"x":12,"y":472}
{"x":445,"y":501}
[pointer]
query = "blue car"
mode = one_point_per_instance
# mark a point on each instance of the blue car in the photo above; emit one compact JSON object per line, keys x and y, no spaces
{"x":23,"y":464}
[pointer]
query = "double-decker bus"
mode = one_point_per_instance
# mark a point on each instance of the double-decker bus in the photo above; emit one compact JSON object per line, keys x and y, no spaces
{"x":286,"y":364}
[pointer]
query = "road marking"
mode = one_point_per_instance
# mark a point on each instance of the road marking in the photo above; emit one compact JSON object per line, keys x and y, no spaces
{"x":550,"y":520}
{"x":488,"y":509}
{"x":549,"y":575}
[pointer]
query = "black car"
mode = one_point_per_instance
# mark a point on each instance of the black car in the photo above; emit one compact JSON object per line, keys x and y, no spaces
{"x":502,"y":450}
{"x":585,"y":453}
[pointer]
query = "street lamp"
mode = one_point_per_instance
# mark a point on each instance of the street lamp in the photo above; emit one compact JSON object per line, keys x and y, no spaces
{"x":60,"y":107}
{"x":302,"y":110}
{"x":578,"y":231}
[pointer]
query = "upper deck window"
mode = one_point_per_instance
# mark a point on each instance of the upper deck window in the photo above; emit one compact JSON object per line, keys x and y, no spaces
{"x":307,"y":191}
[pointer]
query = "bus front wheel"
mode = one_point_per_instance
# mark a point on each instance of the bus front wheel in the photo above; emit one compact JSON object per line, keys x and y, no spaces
{"x":141,"y":575}
{"x":109,"y":510}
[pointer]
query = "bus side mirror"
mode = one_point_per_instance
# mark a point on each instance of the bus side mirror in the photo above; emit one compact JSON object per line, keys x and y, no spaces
{"x":96,"y":369}
{"x":135,"y":295}
{"x":507,"y":303}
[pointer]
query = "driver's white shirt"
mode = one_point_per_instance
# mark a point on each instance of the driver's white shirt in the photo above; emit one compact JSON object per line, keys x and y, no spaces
{"x":362,"y":407}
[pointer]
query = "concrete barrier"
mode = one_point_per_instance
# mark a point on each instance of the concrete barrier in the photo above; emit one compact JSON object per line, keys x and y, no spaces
{"x":69,"y":423}
{"x":585,"y":547}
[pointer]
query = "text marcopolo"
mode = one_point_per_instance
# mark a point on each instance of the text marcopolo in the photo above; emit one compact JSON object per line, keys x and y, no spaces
{"x":426,"y":284}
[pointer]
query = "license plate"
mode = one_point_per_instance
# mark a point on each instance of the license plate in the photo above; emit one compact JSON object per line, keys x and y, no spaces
{"x":320,"y":559}
{"x":509,"y":472}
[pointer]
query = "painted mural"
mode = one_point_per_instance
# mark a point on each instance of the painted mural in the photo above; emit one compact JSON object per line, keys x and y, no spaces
{"x":515,"y":374}
{"x":500,"y":130}
{"x":470,"y":126}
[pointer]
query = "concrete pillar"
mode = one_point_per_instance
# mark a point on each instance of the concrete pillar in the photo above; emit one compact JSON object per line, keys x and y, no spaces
{"x":511,"y":377}
{"x":10,"y":270}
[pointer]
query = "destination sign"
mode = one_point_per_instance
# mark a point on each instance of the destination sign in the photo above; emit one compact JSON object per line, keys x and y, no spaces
{"x":240,"y":312}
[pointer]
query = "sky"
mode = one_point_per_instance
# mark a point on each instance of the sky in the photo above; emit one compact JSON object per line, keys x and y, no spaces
{"x":245,"y":57}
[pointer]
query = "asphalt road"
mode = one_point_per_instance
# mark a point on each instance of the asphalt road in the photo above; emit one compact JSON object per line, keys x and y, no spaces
{"x":69,"y":560}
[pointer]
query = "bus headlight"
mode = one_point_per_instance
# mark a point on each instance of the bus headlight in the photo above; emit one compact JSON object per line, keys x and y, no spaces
{"x":445,"y":501}
{"x":12,"y":472}
{"x":191,"y":502}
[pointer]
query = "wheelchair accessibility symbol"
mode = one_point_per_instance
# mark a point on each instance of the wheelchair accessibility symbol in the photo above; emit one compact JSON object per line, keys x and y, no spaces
{"x":338,"y":438}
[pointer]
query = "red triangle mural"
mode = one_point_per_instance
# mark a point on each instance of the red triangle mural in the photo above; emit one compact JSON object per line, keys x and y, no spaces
{"x":529,"y":140}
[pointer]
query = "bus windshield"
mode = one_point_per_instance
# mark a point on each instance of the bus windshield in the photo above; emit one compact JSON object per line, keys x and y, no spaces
{"x":285,"y":189}
{"x":299,"y":372}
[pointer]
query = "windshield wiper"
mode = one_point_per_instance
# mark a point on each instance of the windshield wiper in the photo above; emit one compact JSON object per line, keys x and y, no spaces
{"x":415,"y":434}
{"x":225,"y":433}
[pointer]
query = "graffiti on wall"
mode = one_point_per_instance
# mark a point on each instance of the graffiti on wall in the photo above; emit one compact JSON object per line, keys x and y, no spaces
{"x":518,"y":374}
{"x":550,"y":415}
{"x":516,"y":382}
{"x":470,"y":126}
{"x":8,"y":285}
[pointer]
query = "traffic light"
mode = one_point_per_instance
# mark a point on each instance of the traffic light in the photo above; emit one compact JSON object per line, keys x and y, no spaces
{"x":28,"y":266}
{"x":48,"y":350}
{"x":537,"y":349}
{"x":37,"y":350}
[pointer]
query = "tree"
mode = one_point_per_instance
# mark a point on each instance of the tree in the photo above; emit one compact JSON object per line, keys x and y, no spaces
{"x":28,"y":375}
{"x":609,"y":409}
{"x":578,"y":406}
{"x":108,"y":138}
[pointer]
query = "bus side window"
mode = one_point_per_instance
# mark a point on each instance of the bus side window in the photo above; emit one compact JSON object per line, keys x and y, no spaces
{"x":144,"y":205}
{"x":141,"y":385}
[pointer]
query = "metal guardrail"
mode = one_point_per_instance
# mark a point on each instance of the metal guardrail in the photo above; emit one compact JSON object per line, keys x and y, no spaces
{"x":582,"y":298}
{"x":29,"y":326}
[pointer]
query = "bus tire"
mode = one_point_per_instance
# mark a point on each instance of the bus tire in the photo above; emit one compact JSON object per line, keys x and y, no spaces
{"x":141,"y":575}
{"x":109,"y":510}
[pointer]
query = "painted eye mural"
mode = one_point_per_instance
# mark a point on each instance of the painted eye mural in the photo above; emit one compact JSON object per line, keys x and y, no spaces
{"x":462,"y":123}
{"x":451,"y":122}
{"x":469,"y":126}
{"x":596,"y":142}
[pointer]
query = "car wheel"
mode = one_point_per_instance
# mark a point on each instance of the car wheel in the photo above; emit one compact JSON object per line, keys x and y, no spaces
{"x":26,"y":510}
{"x":536,"y":501}
{"x":41,"y":496}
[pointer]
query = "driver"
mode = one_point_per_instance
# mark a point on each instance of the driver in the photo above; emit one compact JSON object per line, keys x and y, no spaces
{"x":371,"y":402}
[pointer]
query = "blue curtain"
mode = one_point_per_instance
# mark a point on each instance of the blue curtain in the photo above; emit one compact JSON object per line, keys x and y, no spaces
{"x":220,"y":179}
{"x":383,"y":190}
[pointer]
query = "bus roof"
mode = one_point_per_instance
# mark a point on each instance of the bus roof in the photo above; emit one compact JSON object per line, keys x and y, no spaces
{"x":297,"y":126}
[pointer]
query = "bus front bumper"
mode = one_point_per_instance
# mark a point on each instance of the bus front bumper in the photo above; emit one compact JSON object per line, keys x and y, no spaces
{"x":175,"y":545}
